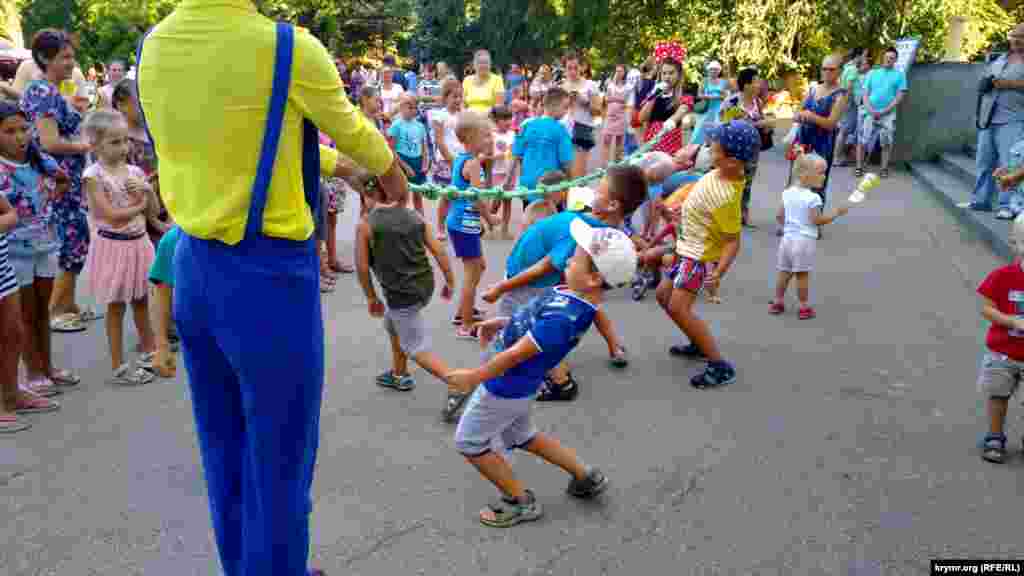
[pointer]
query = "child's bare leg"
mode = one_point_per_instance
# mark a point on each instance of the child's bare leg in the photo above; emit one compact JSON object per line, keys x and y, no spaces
{"x":417,"y":202}
{"x":162,"y":301}
{"x":554,"y":452}
{"x":495,"y":468}
{"x":663,"y":293}
{"x":140,"y":313}
{"x":13,"y":337}
{"x":332,"y":239}
{"x":680,"y":310}
{"x":617,"y":153}
{"x":43,"y":334}
{"x":506,"y":218}
{"x":115,"y":333}
{"x":436,"y":366}
{"x":30,"y":345}
{"x":399,"y":361}
{"x":474,"y":269}
{"x":803,"y":287}
{"x":997,"y":414}
{"x":442,"y":215}
{"x":781,"y":284}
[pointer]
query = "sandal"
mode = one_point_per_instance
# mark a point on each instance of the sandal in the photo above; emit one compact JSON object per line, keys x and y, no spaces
{"x":326,"y":286}
{"x":508,"y":512}
{"x":452,"y":405}
{"x":619,"y":358}
{"x":776,"y":308}
{"x":43,"y":387}
{"x":29,"y":403}
{"x":401,"y":383}
{"x":67,"y":323}
{"x":806,"y":313}
{"x":593,"y":484}
{"x":884,"y":173}
{"x":10,"y":423}
{"x":994,"y":448}
{"x":64,"y":378}
{"x":858,"y":172}
{"x":145,"y":361}
{"x":88,"y":315}
{"x":342,"y":268}
{"x":564,"y":392}
{"x":124,"y":376}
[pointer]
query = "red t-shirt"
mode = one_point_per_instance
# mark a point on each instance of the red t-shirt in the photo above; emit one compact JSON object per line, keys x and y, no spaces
{"x":1005,"y":287}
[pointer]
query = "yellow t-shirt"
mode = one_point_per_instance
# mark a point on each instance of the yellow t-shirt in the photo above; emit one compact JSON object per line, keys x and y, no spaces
{"x":207,"y":120}
{"x":711,"y":210}
{"x":483,"y":98}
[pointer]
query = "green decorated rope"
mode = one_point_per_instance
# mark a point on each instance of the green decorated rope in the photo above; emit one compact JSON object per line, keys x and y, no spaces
{"x":434,"y":191}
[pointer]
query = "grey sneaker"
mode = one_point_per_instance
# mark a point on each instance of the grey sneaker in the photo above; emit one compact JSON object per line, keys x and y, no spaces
{"x":125,"y":376}
{"x":509,"y":512}
{"x":401,"y":383}
{"x":590,"y":486}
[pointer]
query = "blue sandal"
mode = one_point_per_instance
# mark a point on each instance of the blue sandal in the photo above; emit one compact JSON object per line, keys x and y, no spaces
{"x":993,"y":448}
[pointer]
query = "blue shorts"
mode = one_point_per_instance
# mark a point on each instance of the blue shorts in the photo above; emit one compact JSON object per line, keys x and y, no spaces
{"x":416,"y":163}
{"x":466,"y":246}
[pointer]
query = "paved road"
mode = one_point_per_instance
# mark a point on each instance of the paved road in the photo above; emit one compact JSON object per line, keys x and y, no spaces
{"x":846,"y":447}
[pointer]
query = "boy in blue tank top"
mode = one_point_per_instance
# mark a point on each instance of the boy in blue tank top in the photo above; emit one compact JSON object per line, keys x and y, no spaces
{"x":530,"y":343}
{"x":464,"y":214}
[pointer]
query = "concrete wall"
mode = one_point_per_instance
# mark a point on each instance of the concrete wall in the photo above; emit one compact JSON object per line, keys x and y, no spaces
{"x":938,"y":113}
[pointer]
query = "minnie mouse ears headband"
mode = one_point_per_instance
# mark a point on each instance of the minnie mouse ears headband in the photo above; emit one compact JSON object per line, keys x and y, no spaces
{"x":673,"y":50}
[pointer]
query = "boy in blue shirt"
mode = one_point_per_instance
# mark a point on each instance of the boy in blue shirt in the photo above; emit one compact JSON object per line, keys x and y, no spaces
{"x":409,"y":139}
{"x":543,"y":251}
{"x":532,"y":342}
{"x":543,"y":145}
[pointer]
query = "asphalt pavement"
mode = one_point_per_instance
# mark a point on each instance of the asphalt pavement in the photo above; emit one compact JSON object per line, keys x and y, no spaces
{"x":847,"y":445}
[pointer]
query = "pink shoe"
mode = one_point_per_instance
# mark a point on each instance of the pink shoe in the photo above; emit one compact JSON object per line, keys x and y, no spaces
{"x":776,"y":308}
{"x":42,"y":387}
{"x":806,"y":313}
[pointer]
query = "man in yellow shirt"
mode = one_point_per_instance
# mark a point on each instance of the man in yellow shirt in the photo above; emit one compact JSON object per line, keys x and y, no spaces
{"x":708,"y":239}
{"x":230,"y":99}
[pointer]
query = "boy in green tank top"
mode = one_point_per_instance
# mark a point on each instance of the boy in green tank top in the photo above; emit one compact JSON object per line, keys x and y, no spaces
{"x":393,"y":241}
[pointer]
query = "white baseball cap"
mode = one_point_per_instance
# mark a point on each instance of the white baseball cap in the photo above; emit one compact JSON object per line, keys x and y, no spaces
{"x":612,"y":251}
{"x":714,"y":64}
{"x":579,"y":199}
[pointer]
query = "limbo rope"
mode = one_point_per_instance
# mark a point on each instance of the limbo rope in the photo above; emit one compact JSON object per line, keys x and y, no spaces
{"x":434,"y":191}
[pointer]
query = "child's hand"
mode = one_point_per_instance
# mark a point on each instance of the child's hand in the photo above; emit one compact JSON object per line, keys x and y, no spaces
{"x":446,"y":292}
{"x":489,"y":329}
{"x":376,"y":308}
{"x":492,"y":294}
{"x":713,"y":281}
{"x":843,"y":210}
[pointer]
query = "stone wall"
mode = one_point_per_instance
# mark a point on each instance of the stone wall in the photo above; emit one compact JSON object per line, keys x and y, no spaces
{"x":938,"y":113}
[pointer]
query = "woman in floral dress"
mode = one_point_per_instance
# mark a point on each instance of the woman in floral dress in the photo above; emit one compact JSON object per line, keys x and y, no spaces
{"x":56,"y":129}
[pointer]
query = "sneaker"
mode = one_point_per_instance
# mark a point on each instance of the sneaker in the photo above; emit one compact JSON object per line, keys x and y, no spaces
{"x":776,"y":308}
{"x":714,"y":375}
{"x":590,"y":486}
{"x":620,"y":358}
{"x":452,"y":405}
{"x":29,"y":403}
{"x":125,"y":376}
{"x":639,"y":287}
{"x":401,"y":383}
{"x":145,"y":361}
{"x":551,"y":392}
{"x":652,"y":280}
{"x":1004,"y":214}
{"x":806,"y":313}
{"x":463,"y":333}
{"x":690,"y":351}
{"x":478,"y":315}
{"x":994,"y":448}
{"x":509,"y":511}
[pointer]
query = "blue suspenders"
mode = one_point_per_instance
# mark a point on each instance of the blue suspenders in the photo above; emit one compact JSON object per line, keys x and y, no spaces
{"x":272,"y":135}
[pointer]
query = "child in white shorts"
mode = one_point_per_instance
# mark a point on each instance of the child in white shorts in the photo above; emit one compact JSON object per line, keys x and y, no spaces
{"x":800,"y":215}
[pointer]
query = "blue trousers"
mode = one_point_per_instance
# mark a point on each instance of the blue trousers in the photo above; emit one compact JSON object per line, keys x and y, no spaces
{"x":251,"y":330}
{"x":994,"y":145}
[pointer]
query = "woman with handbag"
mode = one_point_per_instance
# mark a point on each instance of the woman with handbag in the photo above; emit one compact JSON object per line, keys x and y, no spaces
{"x":746,"y":105}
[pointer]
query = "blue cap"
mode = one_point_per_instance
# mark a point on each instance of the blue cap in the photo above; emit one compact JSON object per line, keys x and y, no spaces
{"x":738,"y":138}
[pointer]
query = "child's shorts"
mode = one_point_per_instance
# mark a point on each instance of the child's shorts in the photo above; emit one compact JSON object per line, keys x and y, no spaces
{"x":1000,"y":375}
{"x":689,"y":274}
{"x":466,"y":246}
{"x":30,"y":264}
{"x":796,"y":254}
{"x":514,"y":299}
{"x":408,"y":325}
{"x":488,"y":418}
{"x":583,"y":137}
{"x":416,"y":163}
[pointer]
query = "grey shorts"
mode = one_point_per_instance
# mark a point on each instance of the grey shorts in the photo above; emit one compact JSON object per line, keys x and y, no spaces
{"x":512,"y":300}
{"x":491,"y":422}
{"x":29,"y":264}
{"x":1000,"y":375}
{"x":408,"y":325}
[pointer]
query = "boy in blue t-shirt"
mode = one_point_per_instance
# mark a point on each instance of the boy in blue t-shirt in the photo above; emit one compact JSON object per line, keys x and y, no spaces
{"x":409,"y":138}
{"x":542,"y":253}
{"x":161,"y":276}
{"x":532,"y":342}
{"x":543,"y":145}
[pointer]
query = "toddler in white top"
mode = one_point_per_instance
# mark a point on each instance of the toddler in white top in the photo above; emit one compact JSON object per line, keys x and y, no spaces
{"x":800,"y":216}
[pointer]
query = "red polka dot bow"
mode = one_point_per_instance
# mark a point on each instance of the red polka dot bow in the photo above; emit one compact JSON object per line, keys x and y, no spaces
{"x":673,"y":50}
